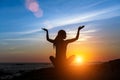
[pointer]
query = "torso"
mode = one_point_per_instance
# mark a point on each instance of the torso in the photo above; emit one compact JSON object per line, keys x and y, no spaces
{"x":61,"y":48}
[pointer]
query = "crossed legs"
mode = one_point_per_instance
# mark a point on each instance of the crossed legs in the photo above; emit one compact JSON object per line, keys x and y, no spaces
{"x":61,"y":62}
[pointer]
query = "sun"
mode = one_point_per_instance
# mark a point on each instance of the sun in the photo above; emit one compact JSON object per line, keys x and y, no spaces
{"x":78,"y":60}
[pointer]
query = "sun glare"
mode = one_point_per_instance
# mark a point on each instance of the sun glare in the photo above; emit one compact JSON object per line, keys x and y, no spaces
{"x":78,"y":60}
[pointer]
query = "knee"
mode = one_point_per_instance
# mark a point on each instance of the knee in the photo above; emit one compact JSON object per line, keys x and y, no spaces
{"x":51,"y":57}
{"x":72,"y":57}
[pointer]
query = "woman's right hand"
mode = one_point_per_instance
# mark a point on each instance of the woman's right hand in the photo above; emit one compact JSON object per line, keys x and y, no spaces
{"x":44,"y":29}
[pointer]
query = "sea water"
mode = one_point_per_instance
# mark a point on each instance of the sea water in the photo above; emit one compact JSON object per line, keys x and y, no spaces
{"x":10,"y":70}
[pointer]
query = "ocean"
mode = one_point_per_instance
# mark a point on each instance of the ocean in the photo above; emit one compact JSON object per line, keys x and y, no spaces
{"x":10,"y":70}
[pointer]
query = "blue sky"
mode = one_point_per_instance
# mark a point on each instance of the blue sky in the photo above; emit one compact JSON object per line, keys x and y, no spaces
{"x":21,"y":21}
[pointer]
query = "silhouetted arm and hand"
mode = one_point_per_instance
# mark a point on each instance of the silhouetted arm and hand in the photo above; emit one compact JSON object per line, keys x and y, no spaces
{"x":47,"y":35}
{"x":77,"y":36}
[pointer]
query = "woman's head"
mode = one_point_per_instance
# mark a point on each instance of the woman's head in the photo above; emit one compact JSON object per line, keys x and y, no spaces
{"x":61,"y":34}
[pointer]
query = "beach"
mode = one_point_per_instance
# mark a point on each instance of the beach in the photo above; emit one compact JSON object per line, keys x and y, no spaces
{"x":103,"y":71}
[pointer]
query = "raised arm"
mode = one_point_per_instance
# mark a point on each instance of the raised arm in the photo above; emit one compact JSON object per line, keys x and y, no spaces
{"x":77,"y":36}
{"x":47,"y":35}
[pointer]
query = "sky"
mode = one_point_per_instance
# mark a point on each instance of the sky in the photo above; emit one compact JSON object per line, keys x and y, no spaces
{"x":22,"y":39}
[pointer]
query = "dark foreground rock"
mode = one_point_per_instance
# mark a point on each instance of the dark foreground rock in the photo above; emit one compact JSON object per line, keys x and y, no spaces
{"x":105,"y":71}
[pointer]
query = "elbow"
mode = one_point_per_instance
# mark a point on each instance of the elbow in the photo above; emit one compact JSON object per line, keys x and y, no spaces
{"x":47,"y":39}
{"x":76,"y":38}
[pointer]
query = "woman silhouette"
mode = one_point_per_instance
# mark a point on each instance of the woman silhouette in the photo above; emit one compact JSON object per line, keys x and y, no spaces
{"x":60,"y":45}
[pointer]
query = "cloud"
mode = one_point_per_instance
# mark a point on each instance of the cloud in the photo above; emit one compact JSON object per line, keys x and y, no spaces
{"x":12,"y":48}
{"x":106,"y":13}
{"x":85,"y":34}
{"x":22,"y":39}
{"x":94,"y":15}
{"x":84,"y":38}
{"x":29,"y":31}
{"x":101,"y":14}
{"x":22,"y":32}
{"x":89,"y":31}
{"x":48,"y":24}
{"x":34,"y":7}
{"x":93,"y":4}
{"x":3,"y":43}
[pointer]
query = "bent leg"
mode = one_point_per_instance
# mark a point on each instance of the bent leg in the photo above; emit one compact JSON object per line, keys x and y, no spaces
{"x":52,"y":59}
{"x":70,"y":59}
